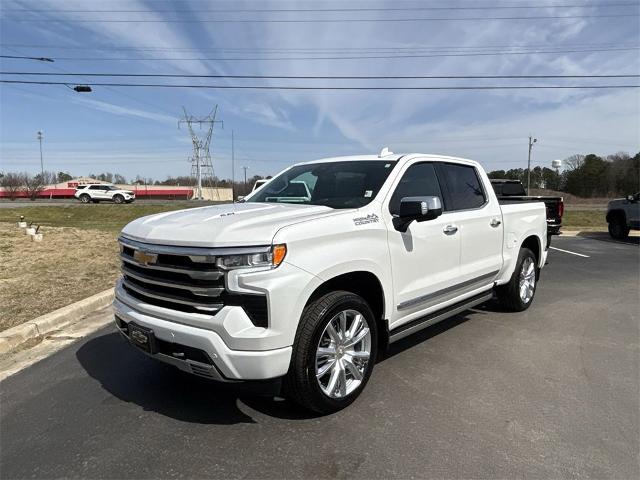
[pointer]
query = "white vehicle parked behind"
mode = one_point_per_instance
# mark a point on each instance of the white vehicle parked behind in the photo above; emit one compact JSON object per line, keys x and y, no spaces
{"x":310,"y":291}
{"x":103,"y":193}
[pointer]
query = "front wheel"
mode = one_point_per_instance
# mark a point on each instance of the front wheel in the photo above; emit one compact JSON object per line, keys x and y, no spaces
{"x":118,"y":199}
{"x":333,"y":354}
{"x":517,"y":295}
{"x":618,"y":228}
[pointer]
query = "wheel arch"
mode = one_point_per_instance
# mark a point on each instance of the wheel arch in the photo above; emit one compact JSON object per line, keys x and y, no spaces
{"x":618,"y":212}
{"x":533,"y":243}
{"x":366,"y":285}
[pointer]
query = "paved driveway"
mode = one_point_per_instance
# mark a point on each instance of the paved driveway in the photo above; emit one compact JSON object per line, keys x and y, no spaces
{"x":549,"y":393}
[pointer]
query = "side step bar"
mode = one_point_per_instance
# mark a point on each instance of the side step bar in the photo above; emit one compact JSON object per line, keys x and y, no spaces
{"x":435,"y":317}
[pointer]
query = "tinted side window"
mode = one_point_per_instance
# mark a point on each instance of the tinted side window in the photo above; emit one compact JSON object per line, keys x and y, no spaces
{"x":419,"y":180}
{"x":96,"y":187}
{"x":464,"y":187}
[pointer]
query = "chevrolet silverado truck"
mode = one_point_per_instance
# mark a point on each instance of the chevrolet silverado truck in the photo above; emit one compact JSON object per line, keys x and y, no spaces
{"x":101,"y":192}
{"x":513,"y":191}
{"x":623,"y":215}
{"x":310,"y":292}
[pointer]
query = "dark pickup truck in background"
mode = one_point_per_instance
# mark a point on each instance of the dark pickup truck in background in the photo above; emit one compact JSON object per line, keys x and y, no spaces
{"x":511,"y":191}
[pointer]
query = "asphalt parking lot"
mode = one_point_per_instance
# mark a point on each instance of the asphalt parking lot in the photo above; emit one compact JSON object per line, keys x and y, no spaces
{"x":549,"y":393}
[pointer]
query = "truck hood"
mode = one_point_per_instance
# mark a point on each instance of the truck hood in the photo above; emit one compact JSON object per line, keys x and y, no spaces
{"x":228,"y":225}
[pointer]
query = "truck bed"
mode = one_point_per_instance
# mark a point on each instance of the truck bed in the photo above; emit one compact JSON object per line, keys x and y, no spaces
{"x":554,"y":207}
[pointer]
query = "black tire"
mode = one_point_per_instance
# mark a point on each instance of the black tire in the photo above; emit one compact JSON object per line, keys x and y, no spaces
{"x":118,"y":199}
{"x":509,"y":294}
{"x":300,"y":384}
{"x":85,"y":198}
{"x":618,"y":228}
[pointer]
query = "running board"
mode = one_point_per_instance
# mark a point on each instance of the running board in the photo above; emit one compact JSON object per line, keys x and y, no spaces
{"x":435,"y":317}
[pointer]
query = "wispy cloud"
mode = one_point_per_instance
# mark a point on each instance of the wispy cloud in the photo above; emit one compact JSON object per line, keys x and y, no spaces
{"x":123,"y":111}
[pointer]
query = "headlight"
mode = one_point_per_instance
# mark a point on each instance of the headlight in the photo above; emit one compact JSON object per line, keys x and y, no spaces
{"x":272,"y":259}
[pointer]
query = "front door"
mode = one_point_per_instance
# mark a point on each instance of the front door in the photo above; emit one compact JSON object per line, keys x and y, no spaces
{"x":426,"y":257}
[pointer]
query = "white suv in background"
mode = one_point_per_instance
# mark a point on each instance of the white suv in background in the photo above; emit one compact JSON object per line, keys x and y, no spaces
{"x":103,"y":193}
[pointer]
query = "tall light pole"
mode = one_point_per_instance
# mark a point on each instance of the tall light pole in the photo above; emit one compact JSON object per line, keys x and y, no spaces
{"x":531,"y":142}
{"x":41,"y":163}
{"x":245,"y":177}
{"x":233,"y":170}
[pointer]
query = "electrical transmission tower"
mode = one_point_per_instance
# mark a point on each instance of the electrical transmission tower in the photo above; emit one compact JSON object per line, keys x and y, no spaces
{"x":201,"y":164}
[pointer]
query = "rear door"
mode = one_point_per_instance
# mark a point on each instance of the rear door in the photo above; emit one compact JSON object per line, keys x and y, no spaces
{"x":477,"y":216}
{"x":425,"y":258}
{"x":98,"y":192}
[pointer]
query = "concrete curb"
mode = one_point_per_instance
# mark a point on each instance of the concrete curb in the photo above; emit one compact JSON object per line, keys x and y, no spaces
{"x":14,"y":337}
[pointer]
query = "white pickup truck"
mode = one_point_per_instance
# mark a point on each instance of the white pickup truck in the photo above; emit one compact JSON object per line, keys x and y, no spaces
{"x":386,"y":245}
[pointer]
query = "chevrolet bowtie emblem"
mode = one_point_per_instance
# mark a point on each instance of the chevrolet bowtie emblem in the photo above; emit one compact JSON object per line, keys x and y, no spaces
{"x":144,"y":258}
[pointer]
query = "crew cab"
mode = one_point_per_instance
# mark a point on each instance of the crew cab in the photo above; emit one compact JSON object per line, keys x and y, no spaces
{"x":102,"y":192}
{"x":311,"y":291}
{"x":623,"y":215}
{"x":509,"y":190}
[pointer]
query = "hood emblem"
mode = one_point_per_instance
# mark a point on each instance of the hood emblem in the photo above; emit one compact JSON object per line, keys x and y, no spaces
{"x":145,"y":258}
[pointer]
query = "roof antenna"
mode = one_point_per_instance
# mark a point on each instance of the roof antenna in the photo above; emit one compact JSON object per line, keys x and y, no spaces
{"x":385,"y":152}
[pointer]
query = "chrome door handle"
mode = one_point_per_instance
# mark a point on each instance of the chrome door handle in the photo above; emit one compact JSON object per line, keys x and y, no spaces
{"x":450,"y":229}
{"x":495,"y":223}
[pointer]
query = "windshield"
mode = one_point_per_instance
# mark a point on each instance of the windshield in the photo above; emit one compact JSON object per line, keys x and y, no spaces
{"x":349,"y":184}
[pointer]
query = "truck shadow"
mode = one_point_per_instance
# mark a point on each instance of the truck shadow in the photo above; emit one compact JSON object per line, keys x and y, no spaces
{"x":132,"y":377}
{"x":605,"y":237}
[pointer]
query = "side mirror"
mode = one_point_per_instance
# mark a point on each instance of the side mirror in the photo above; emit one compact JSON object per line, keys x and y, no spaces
{"x":419,"y":209}
{"x":631,"y":198}
{"x":240,"y":198}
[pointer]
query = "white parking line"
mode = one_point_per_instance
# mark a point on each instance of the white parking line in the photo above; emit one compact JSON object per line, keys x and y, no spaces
{"x":568,"y":251}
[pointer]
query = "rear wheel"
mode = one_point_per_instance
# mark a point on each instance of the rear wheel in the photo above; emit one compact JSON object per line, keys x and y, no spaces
{"x":118,"y":199}
{"x":517,"y":295}
{"x":333,"y":354}
{"x":618,"y":228}
{"x":85,"y":198}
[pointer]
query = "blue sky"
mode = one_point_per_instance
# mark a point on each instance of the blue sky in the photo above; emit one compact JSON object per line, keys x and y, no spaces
{"x":134,"y":131}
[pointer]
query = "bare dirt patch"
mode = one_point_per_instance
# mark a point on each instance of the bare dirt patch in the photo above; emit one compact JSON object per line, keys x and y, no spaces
{"x":37,"y":278}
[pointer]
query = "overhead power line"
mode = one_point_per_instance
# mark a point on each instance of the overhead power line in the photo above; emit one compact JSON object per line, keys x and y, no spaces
{"x":320,"y":10}
{"x":318,"y":77}
{"x":299,"y":50}
{"x":300,"y":87}
{"x":40,"y":59}
{"x":347,"y":57}
{"x":317,"y":20}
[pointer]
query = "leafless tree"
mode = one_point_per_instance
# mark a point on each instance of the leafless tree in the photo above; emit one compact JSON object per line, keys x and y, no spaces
{"x":574,"y":162}
{"x":12,"y":183}
{"x":35,"y":184}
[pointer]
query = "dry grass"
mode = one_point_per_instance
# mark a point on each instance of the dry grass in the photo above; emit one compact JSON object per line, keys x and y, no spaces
{"x":37,"y":278}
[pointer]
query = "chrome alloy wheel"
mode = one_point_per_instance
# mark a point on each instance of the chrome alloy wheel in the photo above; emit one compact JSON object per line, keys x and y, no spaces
{"x":343,"y":354}
{"x":527,"y":280}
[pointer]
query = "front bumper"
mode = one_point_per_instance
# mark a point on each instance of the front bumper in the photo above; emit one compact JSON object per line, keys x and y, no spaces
{"x":224,"y":363}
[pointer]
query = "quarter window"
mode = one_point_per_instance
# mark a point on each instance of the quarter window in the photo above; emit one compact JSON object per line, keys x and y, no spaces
{"x":419,"y":180}
{"x":463,"y":185}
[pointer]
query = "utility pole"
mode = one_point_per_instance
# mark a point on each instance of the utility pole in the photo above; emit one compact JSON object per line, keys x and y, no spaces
{"x":201,"y":164}
{"x":245,"y":177}
{"x":41,"y":163}
{"x":233,"y":170}
{"x":531,"y":142}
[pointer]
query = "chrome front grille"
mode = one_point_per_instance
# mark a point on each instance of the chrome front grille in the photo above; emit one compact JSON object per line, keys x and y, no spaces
{"x":184,"y":279}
